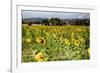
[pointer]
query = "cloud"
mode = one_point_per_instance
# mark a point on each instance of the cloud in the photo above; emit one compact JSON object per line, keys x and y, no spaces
{"x":62,"y":15}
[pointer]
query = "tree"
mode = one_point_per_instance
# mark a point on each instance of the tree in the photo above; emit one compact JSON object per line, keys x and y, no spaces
{"x":45,"y":22}
{"x":54,"y":21}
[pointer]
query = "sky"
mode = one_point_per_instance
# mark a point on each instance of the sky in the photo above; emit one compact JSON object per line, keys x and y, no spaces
{"x":61,"y":15}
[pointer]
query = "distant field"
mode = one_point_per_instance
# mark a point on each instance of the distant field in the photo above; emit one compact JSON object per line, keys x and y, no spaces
{"x":55,"y":43}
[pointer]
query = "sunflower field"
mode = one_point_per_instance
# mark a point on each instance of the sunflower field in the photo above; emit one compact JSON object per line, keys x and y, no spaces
{"x":55,"y":43}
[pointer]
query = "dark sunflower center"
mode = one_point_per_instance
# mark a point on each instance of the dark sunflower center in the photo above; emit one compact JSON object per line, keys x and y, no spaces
{"x":42,"y":41}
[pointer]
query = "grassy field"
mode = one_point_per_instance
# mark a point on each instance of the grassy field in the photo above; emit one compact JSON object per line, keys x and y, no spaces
{"x":55,"y":43}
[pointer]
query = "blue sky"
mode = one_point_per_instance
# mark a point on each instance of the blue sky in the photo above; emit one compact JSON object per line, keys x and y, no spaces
{"x":62,"y":15}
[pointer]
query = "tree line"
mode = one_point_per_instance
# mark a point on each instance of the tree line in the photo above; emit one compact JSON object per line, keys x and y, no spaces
{"x":58,"y":22}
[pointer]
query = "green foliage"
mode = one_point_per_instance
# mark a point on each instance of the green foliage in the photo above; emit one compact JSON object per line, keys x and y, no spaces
{"x":55,"y":43}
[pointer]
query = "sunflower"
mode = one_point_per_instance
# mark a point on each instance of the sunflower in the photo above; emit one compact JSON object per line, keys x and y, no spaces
{"x":76,"y":42}
{"x":29,"y":40}
{"x":80,"y":30}
{"x":39,"y":57}
{"x":82,"y":39}
{"x":61,"y":39}
{"x":47,"y":33}
{"x":41,"y":41}
{"x":67,"y":42}
{"x":72,"y":35}
{"x":84,"y":30}
{"x":88,"y":50}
